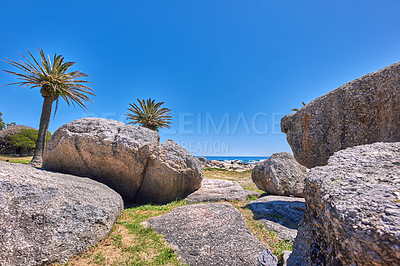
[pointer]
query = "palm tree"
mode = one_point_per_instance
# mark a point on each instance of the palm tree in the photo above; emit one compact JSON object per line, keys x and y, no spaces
{"x":54,"y":82}
{"x":149,"y":114}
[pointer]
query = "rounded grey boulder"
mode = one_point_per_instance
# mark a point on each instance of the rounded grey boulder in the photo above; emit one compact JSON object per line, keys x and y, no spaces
{"x":281,"y":175}
{"x":47,"y":217}
{"x":172,"y":173}
{"x":363,"y":111}
{"x":106,"y":150}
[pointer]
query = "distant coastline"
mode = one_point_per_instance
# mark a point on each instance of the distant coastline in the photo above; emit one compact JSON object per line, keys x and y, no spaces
{"x":242,"y":159}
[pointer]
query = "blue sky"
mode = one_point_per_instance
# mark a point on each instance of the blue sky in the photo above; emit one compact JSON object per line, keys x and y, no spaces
{"x":229,"y":70}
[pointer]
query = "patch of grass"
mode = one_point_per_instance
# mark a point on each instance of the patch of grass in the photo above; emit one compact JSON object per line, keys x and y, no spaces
{"x":98,"y":258}
{"x":243,"y":178}
{"x":251,"y":197}
{"x":13,"y":159}
{"x":211,"y":169}
{"x":268,"y":237}
{"x":131,"y":243}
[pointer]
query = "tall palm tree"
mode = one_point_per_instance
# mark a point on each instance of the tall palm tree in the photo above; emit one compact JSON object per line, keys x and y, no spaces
{"x":149,"y":114}
{"x":54,"y":82}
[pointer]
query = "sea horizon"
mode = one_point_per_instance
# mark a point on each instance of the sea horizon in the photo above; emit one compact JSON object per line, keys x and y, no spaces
{"x":242,"y":159}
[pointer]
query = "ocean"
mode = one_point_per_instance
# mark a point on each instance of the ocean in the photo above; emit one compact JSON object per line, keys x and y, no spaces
{"x":242,"y":159}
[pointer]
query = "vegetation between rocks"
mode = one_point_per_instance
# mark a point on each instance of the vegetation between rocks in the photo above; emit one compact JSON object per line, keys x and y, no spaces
{"x":131,"y":243}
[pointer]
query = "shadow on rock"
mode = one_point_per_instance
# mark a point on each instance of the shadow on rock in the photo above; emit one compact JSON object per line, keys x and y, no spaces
{"x":279,"y":214}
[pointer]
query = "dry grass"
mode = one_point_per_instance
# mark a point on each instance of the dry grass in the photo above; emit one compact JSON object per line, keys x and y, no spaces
{"x":130,"y":243}
{"x":243,"y":178}
{"x":14,"y":159}
{"x":268,"y":237}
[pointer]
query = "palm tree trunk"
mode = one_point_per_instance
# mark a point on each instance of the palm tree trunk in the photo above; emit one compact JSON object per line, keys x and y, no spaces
{"x":43,"y":127}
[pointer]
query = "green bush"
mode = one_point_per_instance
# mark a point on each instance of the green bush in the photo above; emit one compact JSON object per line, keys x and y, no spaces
{"x":26,"y":139}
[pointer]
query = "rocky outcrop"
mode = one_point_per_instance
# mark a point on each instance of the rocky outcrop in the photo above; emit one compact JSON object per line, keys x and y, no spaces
{"x":279,"y":214}
{"x":352,"y":212}
{"x":213,"y":190}
{"x":209,"y":234}
{"x":47,"y":217}
{"x":127,"y":158}
{"x":281,"y":174}
{"x":7,"y":147}
{"x":363,"y":111}
{"x":172,"y":173}
{"x":203,"y":161}
{"x":235,"y":165}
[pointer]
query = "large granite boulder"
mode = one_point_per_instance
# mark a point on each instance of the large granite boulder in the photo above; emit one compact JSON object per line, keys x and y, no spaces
{"x":172,"y":173}
{"x":209,"y":234}
{"x":47,"y":217}
{"x":280,"y":174}
{"x":6,"y":145}
{"x":213,"y":190}
{"x":363,"y":111}
{"x":352,"y":212}
{"x":279,"y":214}
{"x":106,"y":150}
{"x":127,"y":158}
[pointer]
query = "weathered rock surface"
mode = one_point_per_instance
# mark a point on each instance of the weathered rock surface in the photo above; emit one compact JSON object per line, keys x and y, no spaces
{"x":363,"y":111}
{"x":103,"y":149}
{"x":209,"y":234}
{"x":47,"y":217}
{"x":279,"y":214}
{"x":281,"y":174}
{"x":352,"y":212}
{"x":266,"y":258}
{"x":172,"y":173}
{"x":213,"y":190}
{"x":7,"y":148}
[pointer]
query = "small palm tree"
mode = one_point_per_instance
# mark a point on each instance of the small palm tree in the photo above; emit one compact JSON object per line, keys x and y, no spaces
{"x":54,"y":82}
{"x":149,"y":114}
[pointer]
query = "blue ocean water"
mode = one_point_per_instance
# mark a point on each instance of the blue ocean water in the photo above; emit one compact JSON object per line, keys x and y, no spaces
{"x":242,"y":159}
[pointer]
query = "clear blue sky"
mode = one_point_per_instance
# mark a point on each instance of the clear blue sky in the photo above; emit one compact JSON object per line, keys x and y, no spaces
{"x":207,"y":60}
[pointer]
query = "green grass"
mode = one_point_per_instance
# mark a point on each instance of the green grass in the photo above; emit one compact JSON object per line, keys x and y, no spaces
{"x":266,"y":236}
{"x":13,"y":159}
{"x":214,"y":169}
{"x":130,"y":243}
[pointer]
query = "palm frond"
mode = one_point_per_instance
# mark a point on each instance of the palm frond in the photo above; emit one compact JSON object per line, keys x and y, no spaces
{"x":53,"y":78}
{"x":149,"y":114}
